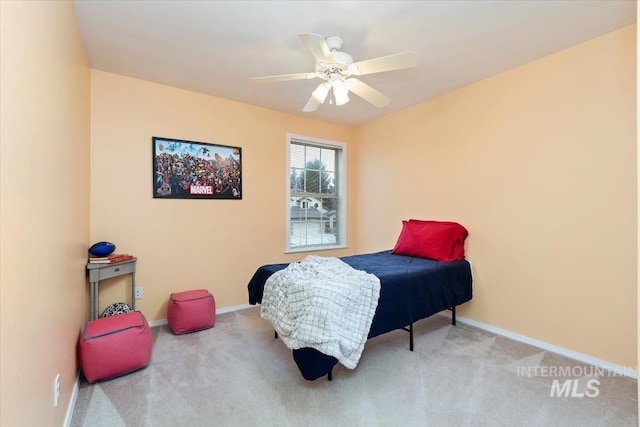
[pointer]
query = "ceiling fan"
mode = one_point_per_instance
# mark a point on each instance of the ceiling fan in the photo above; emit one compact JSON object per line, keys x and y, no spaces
{"x":337,"y":69}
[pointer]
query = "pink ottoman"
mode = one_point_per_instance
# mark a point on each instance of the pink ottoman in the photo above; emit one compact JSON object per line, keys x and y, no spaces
{"x":191,"y":311}
{"x":115,"y":345}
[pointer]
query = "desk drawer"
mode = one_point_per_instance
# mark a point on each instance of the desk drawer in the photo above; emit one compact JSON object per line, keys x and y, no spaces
{"x":115,"y":270}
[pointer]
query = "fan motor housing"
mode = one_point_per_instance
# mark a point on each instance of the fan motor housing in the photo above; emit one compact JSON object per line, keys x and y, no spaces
{"x":341,"y":64}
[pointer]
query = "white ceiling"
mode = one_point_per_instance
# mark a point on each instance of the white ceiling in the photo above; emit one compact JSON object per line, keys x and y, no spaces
{"x":215,"y":47}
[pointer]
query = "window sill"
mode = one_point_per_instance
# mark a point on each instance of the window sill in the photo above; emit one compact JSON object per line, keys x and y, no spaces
{"x":314,"y":249}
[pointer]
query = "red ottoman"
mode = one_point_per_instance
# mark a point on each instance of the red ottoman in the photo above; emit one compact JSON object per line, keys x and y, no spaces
{"x":191,"y":311}
{"x":115,"y":345}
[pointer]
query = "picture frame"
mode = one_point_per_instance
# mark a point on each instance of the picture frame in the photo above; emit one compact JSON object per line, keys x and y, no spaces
{"x":195,"y":170}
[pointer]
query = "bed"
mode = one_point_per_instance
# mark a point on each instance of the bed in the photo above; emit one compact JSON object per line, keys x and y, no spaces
{"x":411,"y":288}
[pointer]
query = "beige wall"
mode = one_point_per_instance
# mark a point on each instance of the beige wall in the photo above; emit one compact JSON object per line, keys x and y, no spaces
{"x":44,"y":206}
{"x":539,"y":163}
{"x":191,"y":244}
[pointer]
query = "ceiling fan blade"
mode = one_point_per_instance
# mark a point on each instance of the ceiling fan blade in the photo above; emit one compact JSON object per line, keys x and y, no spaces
{"x":398,"y":61}
{"x":318,"y":47}
{"x":368,"y":93}
{"x":284,"y":77}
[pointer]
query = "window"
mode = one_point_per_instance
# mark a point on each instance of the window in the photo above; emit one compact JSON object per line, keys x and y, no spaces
{"x":316,"y":211}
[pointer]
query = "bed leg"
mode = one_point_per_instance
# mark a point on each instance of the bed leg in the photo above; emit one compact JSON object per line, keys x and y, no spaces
{"x":410,"y":330}
{"x":411,"y":337}
{"x":330,"y":375}
{"x":453,"y":315}
{"x":275,"y":335}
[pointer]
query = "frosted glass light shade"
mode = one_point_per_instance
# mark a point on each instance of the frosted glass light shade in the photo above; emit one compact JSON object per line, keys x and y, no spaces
{"x":321,"y":92}
{"x":340,"y":92}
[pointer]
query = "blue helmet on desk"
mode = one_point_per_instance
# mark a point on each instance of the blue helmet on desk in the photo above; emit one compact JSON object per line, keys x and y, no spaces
{"x":102,"y":249}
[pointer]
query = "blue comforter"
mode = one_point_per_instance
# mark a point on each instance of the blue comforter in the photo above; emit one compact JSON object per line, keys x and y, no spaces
{"x":411,"y":289}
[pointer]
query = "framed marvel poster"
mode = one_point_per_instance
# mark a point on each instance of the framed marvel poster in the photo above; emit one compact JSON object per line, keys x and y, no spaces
{"x":196,"y":170}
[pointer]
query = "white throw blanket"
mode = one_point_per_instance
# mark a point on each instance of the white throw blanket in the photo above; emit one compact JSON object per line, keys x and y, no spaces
{"x":322,"y":303}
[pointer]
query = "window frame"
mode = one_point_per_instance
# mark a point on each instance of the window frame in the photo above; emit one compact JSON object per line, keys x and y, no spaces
{"x":341,"y":192}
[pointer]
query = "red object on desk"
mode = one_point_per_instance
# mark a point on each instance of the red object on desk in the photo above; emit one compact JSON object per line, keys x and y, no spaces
{"x":111,"y":259}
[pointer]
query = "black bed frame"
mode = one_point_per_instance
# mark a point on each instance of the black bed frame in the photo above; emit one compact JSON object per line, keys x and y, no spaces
{"x":407,"y":328}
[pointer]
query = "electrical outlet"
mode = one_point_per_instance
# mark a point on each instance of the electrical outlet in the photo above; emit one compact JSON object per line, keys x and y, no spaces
{"x":138,"y":292}
{"x":56,"y":390}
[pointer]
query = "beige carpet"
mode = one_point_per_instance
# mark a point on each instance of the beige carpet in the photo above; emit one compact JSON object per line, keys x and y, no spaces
{"x":237,"y":374}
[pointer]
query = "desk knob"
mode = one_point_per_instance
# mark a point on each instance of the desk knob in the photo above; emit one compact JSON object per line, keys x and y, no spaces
{"x":117,"y":269}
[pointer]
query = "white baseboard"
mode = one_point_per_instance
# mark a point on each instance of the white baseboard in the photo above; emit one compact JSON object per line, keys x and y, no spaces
{"x":162,"y":322}
{"x":620,"y":370}
{"x":234,"y":308}
{"x":155,"y":323}
{"x":72,"y":401}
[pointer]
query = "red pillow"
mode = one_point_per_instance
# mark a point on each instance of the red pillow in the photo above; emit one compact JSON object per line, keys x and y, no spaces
{"x":457,"y":250}
{"x":438,"y":240}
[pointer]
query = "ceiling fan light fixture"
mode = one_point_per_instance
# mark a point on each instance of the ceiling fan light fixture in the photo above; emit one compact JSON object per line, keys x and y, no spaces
{"x":340,"y":92}
{"x":337,"y":69}
{"x":321,"y":92}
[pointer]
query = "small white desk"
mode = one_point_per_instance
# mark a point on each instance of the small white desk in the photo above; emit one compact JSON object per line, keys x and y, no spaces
{"x":99,"y":272}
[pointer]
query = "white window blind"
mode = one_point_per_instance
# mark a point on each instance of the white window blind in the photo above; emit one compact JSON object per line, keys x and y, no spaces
{"x":316,"y":194}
